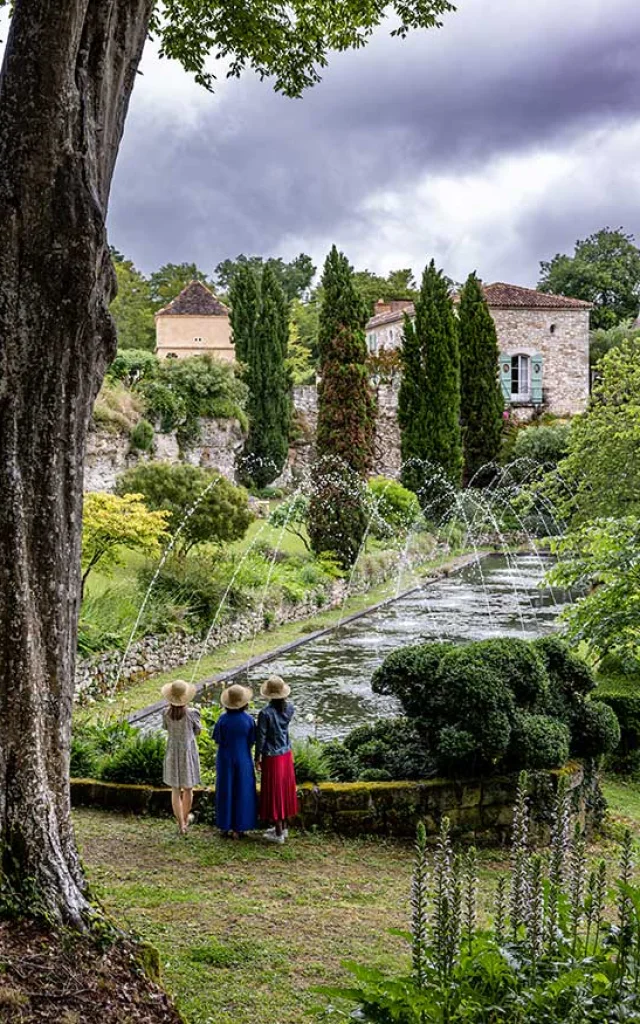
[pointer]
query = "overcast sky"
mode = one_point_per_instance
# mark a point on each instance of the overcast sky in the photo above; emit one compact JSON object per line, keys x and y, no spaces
{"x":490,"y":144}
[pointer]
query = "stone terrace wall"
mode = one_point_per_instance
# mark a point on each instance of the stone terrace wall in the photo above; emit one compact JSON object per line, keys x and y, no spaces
{"x":109,"y":454}
{"x":480,"y":811}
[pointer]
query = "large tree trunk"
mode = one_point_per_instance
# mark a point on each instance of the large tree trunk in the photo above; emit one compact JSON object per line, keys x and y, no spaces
{"x":66,"y":80}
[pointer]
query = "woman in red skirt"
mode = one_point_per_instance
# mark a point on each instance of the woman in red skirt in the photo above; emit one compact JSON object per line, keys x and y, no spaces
{"x":274,"y":759}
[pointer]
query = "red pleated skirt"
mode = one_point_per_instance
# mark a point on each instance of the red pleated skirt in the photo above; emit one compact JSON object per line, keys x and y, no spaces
{"x":278,"y":796}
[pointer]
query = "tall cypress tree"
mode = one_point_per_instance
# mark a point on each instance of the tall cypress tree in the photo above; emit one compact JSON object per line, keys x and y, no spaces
{"x":412,"y":417}
{"x":430,"y":411}
{"x":244,"y":297}
{"x":270,"y":405}
{"x":482,"y":403}
{"x":346,"y":410}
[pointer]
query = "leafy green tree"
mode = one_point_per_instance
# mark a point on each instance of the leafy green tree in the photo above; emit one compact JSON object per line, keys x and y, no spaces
{"x":269,"y":407}
{"x":294,"y":277}
{"x":132,"y":309}
{"x":395,"y":509}
{"x":429,"y":405}
{"x":113,"y":524}
{"x":605,"y":270}
{"x":203,"y":507}
{"x":292,"y":515}
{"x":600,"y":476}
{"x":56,"y":285}
{"x":481,"y":400}
{"x":166,"y":283}
{"x":132,"y":365}
{"x":245,"y":309}
{"x":398,"y":284}
{"x":184,"y":391}
{"x":344,"y":439}
{"x":601,"y":560}
{"x":602,"y":340}
{"x":300,"y":362}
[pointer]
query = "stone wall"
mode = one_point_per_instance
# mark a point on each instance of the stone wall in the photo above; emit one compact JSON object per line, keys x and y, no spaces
{"x":109,"y":454}
{"x":479,"y":810}
{"x":561,"y":336}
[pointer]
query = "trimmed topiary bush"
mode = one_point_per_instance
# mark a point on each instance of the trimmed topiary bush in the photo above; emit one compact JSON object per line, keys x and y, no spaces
{"x":497,"y":705}
{"x":342,"y":764}
{"x":538,"y":742}
{"x":597,"y":730}
{"x":394,"y":746}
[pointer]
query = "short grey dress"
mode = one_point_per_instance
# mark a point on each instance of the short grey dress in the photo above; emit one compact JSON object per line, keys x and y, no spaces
{"x":181,"y":761}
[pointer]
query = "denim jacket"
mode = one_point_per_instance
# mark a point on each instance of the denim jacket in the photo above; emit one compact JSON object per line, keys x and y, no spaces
{"x":272,"y":737}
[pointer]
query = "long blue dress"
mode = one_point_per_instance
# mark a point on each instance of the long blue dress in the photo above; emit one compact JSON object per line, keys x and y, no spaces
{"x":236,"y":800}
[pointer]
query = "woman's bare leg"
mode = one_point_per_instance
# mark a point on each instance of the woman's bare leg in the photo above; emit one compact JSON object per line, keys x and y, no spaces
{"x":187,"y":803}
{"x":176,"y":804}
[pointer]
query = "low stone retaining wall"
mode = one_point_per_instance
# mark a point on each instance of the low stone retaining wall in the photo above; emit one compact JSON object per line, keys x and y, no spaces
{"x":480,"y":811}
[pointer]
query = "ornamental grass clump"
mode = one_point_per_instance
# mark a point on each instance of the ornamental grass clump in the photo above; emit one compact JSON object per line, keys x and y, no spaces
{"x":553,"y":953}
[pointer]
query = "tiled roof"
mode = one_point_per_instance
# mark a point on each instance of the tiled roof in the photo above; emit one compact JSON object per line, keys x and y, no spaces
{"x":498,"y":296}
{"x":512,"y":296}
{"x":390,"y":317}
{"x":195,"y":300}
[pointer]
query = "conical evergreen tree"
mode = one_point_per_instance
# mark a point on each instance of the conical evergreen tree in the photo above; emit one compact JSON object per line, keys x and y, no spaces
{"x":244,"y":297}
{"x":346,"y":411}
{"x":269,"y":405}
{"x":482,"y":403}
{"x":430,"y":417}
{"x":412,"y":417}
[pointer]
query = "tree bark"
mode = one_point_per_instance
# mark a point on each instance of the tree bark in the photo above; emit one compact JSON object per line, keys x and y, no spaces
{"x":65,"y":84}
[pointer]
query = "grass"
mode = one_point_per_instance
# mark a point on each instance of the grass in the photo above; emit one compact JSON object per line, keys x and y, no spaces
{"x":230,"y":656}
{"x":246,"y":931}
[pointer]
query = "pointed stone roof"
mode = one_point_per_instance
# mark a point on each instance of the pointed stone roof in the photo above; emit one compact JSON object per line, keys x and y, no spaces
{"x":195,"y":300}
{"x":512,"y":296}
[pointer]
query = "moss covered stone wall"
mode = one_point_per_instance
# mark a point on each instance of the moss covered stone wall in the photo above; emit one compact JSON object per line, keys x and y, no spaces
{"x":479,"y":810}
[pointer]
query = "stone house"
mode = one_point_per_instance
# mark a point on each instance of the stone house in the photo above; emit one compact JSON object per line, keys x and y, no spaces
{"x":544,"y":347}
{"x":195,"y":323}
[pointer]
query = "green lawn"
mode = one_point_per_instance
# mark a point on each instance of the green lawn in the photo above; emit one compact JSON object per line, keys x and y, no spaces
{"x":246,"y":931}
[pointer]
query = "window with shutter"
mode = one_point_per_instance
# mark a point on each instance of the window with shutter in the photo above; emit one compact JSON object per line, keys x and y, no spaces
{"x":505,"y":377}
{"x":536,"y":379}
{"x":520,"y":378}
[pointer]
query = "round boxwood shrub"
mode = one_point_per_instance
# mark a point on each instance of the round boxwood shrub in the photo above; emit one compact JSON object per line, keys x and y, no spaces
{"x":394,"y":746}
{"x":538,"y":742}
{"x":341,"y":764}
{"x":493,"y":705}
{"x":410,"y":675}
{"x":597,"y":730}
{"x":375,"y":775}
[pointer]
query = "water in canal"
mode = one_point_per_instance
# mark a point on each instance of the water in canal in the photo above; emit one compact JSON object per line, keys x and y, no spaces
{"x":330,"y":677}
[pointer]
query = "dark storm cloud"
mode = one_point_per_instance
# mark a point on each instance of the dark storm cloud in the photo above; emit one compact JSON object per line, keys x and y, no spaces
{"x":254,"y":168}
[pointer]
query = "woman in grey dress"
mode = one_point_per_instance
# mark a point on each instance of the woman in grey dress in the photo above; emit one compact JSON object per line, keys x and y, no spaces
{"x":181,"y":761}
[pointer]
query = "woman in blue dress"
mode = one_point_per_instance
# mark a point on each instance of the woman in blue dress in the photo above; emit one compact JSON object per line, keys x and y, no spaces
{"x":235,"y":734}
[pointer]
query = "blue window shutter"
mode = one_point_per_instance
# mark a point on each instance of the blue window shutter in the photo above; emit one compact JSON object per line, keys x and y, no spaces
{"x":536,"y":379}
{"x":505,"y":376}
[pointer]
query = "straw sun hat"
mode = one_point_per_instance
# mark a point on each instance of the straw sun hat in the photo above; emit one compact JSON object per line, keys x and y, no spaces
{"x":275,"y":688}
{"x":235,"y":697}
{"x":178,"y":692}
